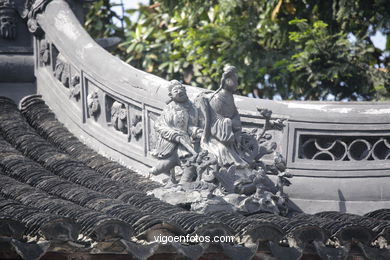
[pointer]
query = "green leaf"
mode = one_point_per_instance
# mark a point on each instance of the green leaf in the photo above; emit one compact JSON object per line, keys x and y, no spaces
{"x":297,"y":21}
{"x":131,"y":47}
{"x":138,"y":32}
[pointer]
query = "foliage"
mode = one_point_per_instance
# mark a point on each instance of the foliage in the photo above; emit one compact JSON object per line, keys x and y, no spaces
{"x":99,"y":20}
{"x":295,"y":49}
{"x":330,"y":63}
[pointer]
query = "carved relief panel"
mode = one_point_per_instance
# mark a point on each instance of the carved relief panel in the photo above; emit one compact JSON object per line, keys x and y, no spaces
{"x":61,"y":67}
{"x":44,"y":52}
{"x":75,"y":85}
{"x":152,"y":136}
{"x":117,"y":115}
{"x":62,"y":70}
{"x":68,"y":76}
{"x":136,"y":125}
{"x":93,"y":102}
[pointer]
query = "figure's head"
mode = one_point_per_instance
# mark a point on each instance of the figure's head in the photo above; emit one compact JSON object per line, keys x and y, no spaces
{"x":177,"y":91}
{"x":229,"y":79}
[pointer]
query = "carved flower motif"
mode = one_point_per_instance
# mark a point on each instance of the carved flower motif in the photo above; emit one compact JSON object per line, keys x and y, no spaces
{"x":93,"y":104}
{"x":75,"y":87}
{"x":136,"y":129}
{"x":44,"y":52}
{"x":119,"y":117}
{"x":61,"y":71}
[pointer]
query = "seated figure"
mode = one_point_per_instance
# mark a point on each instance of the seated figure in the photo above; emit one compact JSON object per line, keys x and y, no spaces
{"x":222,"y":136}
{"x":177,"y":131}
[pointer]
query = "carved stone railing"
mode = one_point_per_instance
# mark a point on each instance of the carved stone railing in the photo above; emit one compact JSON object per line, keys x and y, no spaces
{"x":338,"y":152}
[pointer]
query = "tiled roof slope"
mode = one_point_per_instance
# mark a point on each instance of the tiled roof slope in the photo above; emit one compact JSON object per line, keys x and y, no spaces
{"x":54,"y":188}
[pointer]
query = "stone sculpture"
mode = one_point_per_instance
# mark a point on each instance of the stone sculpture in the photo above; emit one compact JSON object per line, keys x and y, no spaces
{"x":136,"y":127}
{"x":75,"y":87}
{"x":177,"y":130}
{"x":119,"y":117}
{"x":44,"y":52}
{"x":222,"y":135}
{"x":220,"y":163}
{"x":61,"y":70}
{"x":93,"y":104}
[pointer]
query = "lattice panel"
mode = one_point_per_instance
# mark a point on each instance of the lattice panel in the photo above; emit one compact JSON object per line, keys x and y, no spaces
{"x":344,"y":148}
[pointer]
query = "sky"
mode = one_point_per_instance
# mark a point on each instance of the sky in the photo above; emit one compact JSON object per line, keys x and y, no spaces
{"x":129,"y":4}
{"x":379,"y":40}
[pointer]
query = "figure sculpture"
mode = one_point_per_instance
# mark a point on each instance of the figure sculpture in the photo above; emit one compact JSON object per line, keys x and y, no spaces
{"x":221,"y":164}
{"x":177,"y":130}
{"x":222,"y":135}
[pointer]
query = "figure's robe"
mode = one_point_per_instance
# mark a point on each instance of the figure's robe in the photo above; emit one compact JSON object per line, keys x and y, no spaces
{"x":225,"y":130}
{"x":177,"y":120}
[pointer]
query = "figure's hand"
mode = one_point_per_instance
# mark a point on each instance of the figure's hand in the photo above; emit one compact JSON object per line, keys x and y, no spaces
{"x":186,"y":143}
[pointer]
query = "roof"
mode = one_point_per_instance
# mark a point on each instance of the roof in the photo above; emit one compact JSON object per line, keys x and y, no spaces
{"x":58,"y":195}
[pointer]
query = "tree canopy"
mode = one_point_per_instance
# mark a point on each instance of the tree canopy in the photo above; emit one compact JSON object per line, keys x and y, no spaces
{"x":291,"y":49}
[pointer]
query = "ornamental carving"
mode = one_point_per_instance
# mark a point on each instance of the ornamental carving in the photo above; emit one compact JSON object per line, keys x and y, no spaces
{"x":7,"y":19}
{"x":344,"y":148}
{"x":31,"y":10}
{"x":152,"y":135}
{"x":259,"y":142}
{"x":44,"y":52}
{"x":93,"y":104}
{"x":61,"y":70}
{"x":119,"y":117}
{"x":220,"y":163}
{"x":75,"y":87}
{"x":136,"y":127}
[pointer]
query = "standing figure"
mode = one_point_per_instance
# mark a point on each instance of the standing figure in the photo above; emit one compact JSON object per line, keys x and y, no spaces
{"x":177,"y":131}
{"x":222,"y":135}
